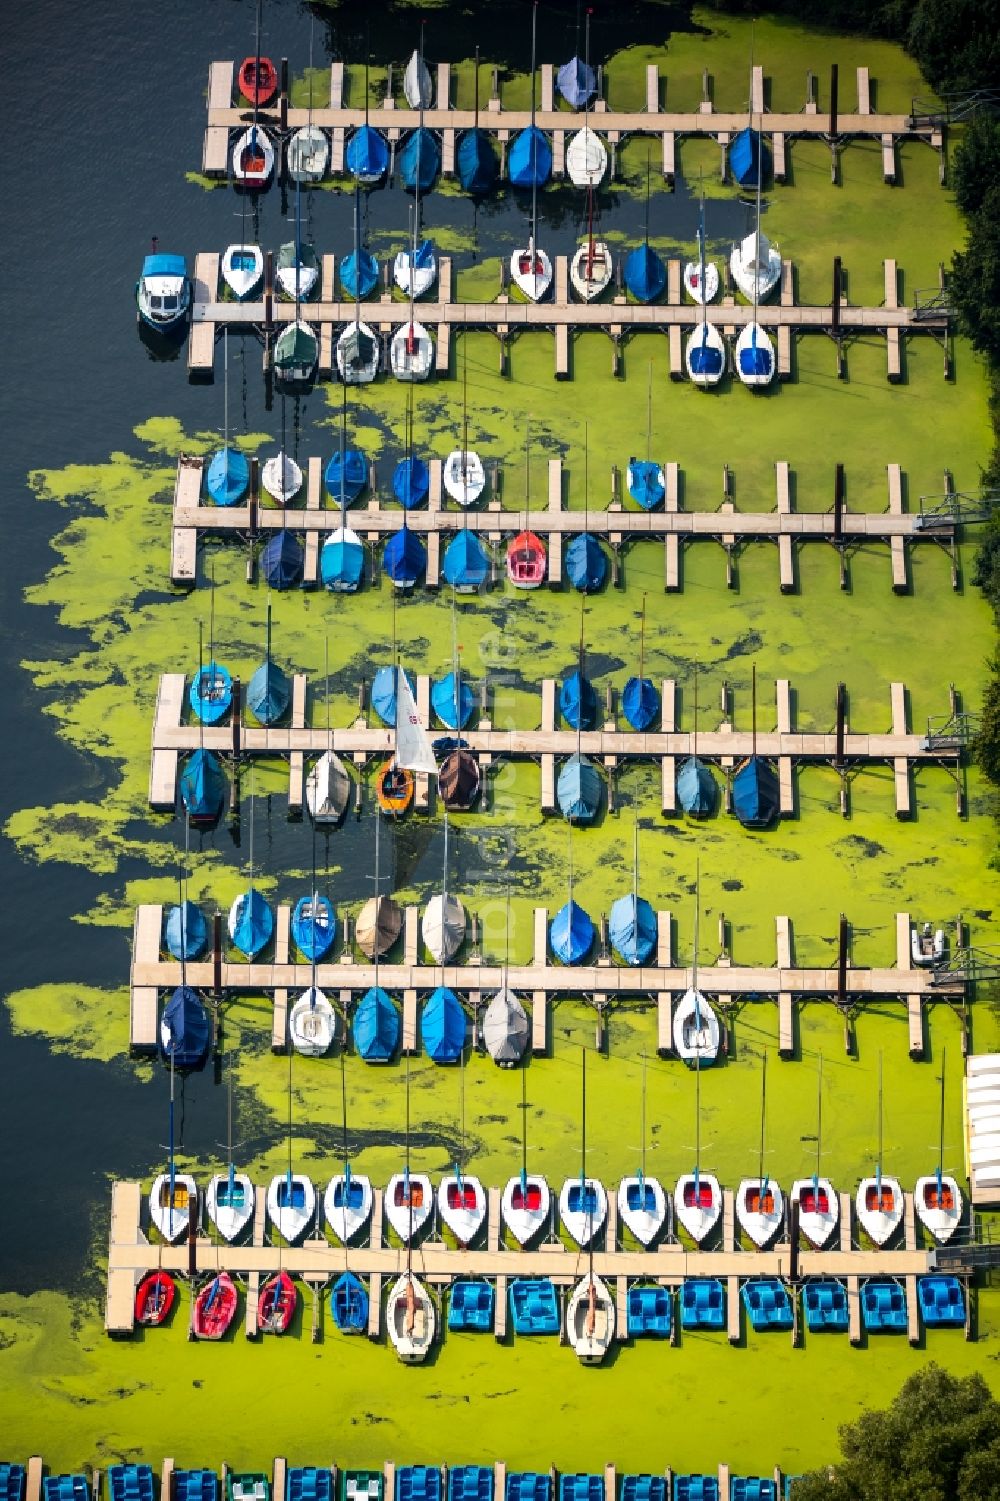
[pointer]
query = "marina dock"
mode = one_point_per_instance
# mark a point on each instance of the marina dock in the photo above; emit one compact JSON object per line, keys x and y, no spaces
{"x":315,"y":515}
{"x":345,"y":977}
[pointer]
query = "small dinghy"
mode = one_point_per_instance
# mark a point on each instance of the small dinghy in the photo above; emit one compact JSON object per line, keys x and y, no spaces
{"x":307,"y":154}
{"x":642,"y":1207}
{"x":879,"y":1205}
{"x":760,"y":1209}
{"x":583,"y":1209}
{"x":258,"y":80}
{"x":394,"y":788}
{"x":696,"y":1029}
{"x":586,"y":158}
{"x":229,"y":1200}
{"x":819,"y":1209}
{"x":347,"y":1204}
{"x":163,"y":292}
{"x":349,"y":1304}
{"x":701,"y":291}
{"x":214,"y":1308}
{"x":154,"y":1298}
{"x":526,"y":561}
{"x":312,"y":1024}
{"x":590,"y":1319}
{"x":170,"y":1200}
{"x":525,"y":1206}
{"x":938,"y":1202}
{"x":281,"y":477}
{"x":411,"y":352}
{"x":242,"y":269}
{"x":357,"y":354}
{"x":253,"y":158}
{"x":414,"y":271}
{"x":279,"y":1298}
{"x":755,"y":266}
{"x":408,"y":1203}
{"x":698,"y":1204}
{"x":291,"y":1204}
{"x":531,"y":270}
{"x":463,"y":476}
{"x":462,"y":1206}
{"x":926,"y":947}
{"x":411,"y":1319}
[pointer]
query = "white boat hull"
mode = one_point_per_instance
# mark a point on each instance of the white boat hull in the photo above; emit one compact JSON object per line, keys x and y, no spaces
{"x":760,"y":1209}
{"x":359,"y":373}
{"x":230,"y":1218}
{"x":525,"y":1218}
{"x":754,"y":337}
{"x":463,"y":1212}
{"x":411,"y":352}
{"x":706,"y":336}
{"x":591,"y":271}
{"x":443,"y":927}
{"x":586,"y":158}
{"x":281,"y":478}
{"x":307,"y":154}
{"x":422,"y":279}
{"x":879,"y":1220}
{"x":347,"y":1221}
{"x":531,"y":270}
{"x":411,"y":1319}
{"x":692,"y":281}
{"x":291,"y":1220}
{"x":464,"y":476}
{"x":925,"y":949}
{"x":580,"y":1224}
{"x":696,"y":1029}
{"x":646,"y":1218}
{"x":590,"y":1322}
{"x":698,"y":1214}
{"x":171,"y":1220}
{"x":257,"y":176}
{"x":242,"y":269}
{"x":312,"y":1024}
{"x":297,"y":282}
{"x":940,"y":1219}
{"x":407,"y":1219}
{"x":819,"y":1209}
{"x":755,"y":275}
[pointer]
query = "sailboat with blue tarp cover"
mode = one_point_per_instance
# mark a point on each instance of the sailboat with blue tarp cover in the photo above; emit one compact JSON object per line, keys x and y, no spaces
{"x":211,"y":692}
{"x":184,"y":1038}
{"x":251,"y":921}
{"x":202,"y":782}
{"x":756,"y":792}
{"x":367,"y":154}
{"x":571,"y":931}
{"x":696,"y":788}
{"x":227,"y":477}
{"x":443,"y":1025}
{"x":644,"y":272}
{"x":632,"y":924}
{"x":530,"y":165}
{"x":647,"y":483}
{"x":342,"y":556}
{"x":578,"y":786}
{"x":640,"y":700}
{"x":475,"y":157}
{"x":359,"y":269}
{"x":269,"y":691}
{"x":347,"y":1202}
{"x":376,"y":1020}
{"x":185,"y":929}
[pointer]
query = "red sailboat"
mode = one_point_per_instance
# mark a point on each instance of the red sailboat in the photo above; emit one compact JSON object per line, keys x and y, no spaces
{"x":278,"y":1301}
{"x":258,"y":79}
{"x":526,"y":554}
{"x":214,"y":1308}
{"x":154,"y":1298}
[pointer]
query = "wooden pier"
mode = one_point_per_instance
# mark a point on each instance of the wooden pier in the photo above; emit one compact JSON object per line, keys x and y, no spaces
{"x":319,"y":1261}
{"x":346,"y":975}
{"x":315,"y":515}
{"x":396,"y":118}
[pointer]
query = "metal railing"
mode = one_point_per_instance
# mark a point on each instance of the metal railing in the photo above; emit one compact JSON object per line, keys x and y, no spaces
{"x":950,"y":108}
{"x":952,"y":731}
{"x":956,"y":507}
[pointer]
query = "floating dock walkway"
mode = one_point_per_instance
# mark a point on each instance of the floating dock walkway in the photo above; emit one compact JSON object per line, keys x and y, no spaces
{"x":541,"y":982}
{"x":194,"y":517}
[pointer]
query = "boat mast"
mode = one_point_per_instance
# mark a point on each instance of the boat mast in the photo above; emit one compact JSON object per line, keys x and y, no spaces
{"x":534,"y":164}
{"x":406,"y":1176}
{"x":763,"y":1104}
{"x":694,"y":737}
{"x":702,"y":270}
{"x":649,"y":411}
{"x":590,"y":185}
{"x":343,"y":1112}
{"x":940,"y":1166}
{"x":465,"y":417}
{"x":756,"y":242}
{"x":524,"y":1136}
{"x":878,"y":1160}
{"x":642,"y":1160}
{"x":819,"y":1123}
{"x":201,"y":687}
{"x":642,"y":642}
{"x":461,"y":1123}
{"x":753,"y":711}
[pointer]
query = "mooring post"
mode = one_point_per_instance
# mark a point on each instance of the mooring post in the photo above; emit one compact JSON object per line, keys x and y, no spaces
{"x":841,"y":721}
{"x":838,"y":505}
{"x":833,"y":101}
{"x":236,"y":717}
{"x":835,"y":299}
{"x":793,"y":1237}
{"x":192,"y":1235}
{"x":283,"y":105}
{"x":842,"y":940}
{"x":269,"y":290}
{"x":217,"y":954}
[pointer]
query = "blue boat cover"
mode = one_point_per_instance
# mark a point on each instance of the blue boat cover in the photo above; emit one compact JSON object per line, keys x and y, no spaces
{"x":577,"y":701}
{"x":755,"y":793}
{"x":420,"y":160}
{"x":704,"y":359}
{"x":645,"y":274}
{"x":576,"y":82}
{"x":254,"y":923}
{"x":586,"y":564}
{"x":211,"y":693}
{"x":164,"y":265}
{"x":470,"y":1483}
{"x":351,"y":472}
{"x":883,"y":1305}
{"x":645,"y":483}
{"x":341,"y":562}
{"x":529,"y":164}
{"x":268,"y":692}
{"x":314,"y":932}
{"x":186,"y":931}
{"x":696,"y":789}
{"x":203,"y":785}
{"x":578,"y":790}
{"x":130,"y":1482}
{"x":411,"y":482}
{"x":443,"y":1026}
{"x":307,"y":1483}
{"x":703,"y":1303}
{"x":185,"y":1029}
{"x":466,"y":563}
{"x":470,"y":1306}
{"x":825,"y":1303}
{"x":767,"y":1304}
{"x":376,"y":1026}
{"x":477,"y":162}
{"x":282,"y":560}
{"x":384,"y":693}
{"x":633,"y":929}
{"x":367,"y":154}
{"x":196,"y":1485}
{"x":349,"y":1301}
{"x":405,"y":557}
{"x":423,"y":259}
{"x":748,"y":156}
{"x":228,"y":476}
{"x":640,"y":702}
{"x":571,"y":933}
{"x":756,"y":359}
{"x":453,"y":701}
{"x":359,"y":273}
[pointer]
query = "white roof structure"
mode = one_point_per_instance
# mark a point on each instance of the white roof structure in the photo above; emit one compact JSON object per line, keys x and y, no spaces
{"x":982,"y":1126}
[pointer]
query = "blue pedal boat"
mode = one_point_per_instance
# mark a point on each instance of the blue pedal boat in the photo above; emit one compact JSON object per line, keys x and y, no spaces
{"x":528,"y":1485}
{"x":581,"y":1488}
{"x":752,"y":1488}
{"x":696,"y":1488}
{"x":942,"y":1302}
{"x":470,"y":1307}
{"x":644,"y":1488}
{"x":12,"y":1482}
{"x":418,"y":1483}
{"x":883,"y":1306}
{"x":825,"y":1303}
{"x":130,"y":1482}
{"x":703,"y":1303}
{"x":308,"y":1483}
{"x":767,"y":1303}
{"x":650,"y":1312}
{"x":470,"y":1483}
{"x":534,"y":1306}
{"x":196,"y":1485}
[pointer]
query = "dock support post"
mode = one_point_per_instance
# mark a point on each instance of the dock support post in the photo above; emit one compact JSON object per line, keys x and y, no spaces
{"x":835,"y":298}
{"x":833,"y":101}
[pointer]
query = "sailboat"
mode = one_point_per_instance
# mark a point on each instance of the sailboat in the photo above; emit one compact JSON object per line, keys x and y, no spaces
{"x":184,"y":1043}
{"x":642,"y":1204}
{"x":154,"y":1298}
{"x":633,"y":926}
{"x":475,"y":157}
{"x":879,"y":1201}
{"x":253,"y":152}
{"x":754,"y":268}
{"x":452,"y":700}
{"x":571,"y":931}
{"x":411,"y":478}
{"x":411,"y":1317}
{"x":281,"y":477}
{"x":444,"y":921}
{"x":242,"y":268}
{"x":586,"y":153}
{"x":461,"y":1197}
{"x":463,"y":475}
{"x":229,"y":1198}
{"x":591,"y":267}
{"x":583,"y":1208}
{"x":575,"y":80}
{"x":357,"y":346}
{"x":342,"y":556}
{"x":409,"y":1197}
{"x":291,"y":1197}
{"x":312,"y":1021}
{"x":938,"y":1198}
{"x":705,"y":354}
{"x":647,"y":483}
{"x":328,"y":786}
{"x":586,"y":564}
{"x":376,"y":1021}
{"x":297,"y":268}
{"x":819,"y":1206}
{"x":279,"y":1298}
{"x":227,"y":477}
{"x":698,"y":1197}
{"x":701,"y":276}
{"x":359,"y":269}
{"x":202,"y":782}
{"x":367,"y":154}
{"x":583,"y":1201}
{"x":215,"y":1307}
{"x":756,"y":793}
{"x":696,"y":1026}
{"x":417,"y":87}
{"x":505,"y":1022}
{"x":211,"y":692}
{"x":760,"y":1204}
{"x":526,"y":1201}
{"x":640,"y":700}
{"x":269,"y":692}
{"x":185,"y":927}
{"x":530,"y":165}
{"x":347,"y":1202}
{"x":578,"y":786}
{"x":257,"y":76}
{"x":251,"y":921}
{"x":411,"y":352}
{"x":526,"y":556}
{"x":644,"y":272}
{"x":415,"y":270}
{"x":308,"y":150}
{"x":696,"y":790}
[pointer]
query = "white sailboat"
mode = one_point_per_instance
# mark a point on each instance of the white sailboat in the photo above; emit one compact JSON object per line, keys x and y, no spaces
{"x":461,"y":1197}
{"x":705,"y":355}
{"x":242,"y":269}
{"x":531,"y":268}
{"x":754,"y":350}
{"x":591,"y":268}
{"x":937,"y":1197}
{"x":590,"y":1315}
{"x":444,"y":921}
{"x":291,"y":1197}
{"x":347,"y":1202}
{"x":696,"y":1026}
{"x":410,"y":1312}
{"x":308,"y":150}
{"x":819,"y":1207}
{"x":312,"y":1022}
{"x":328,"y":786}
{"x":583,"y":1201}
{"x":357,"y":347}
{"x":463,"y":475}
{"x":411,"y":352}
{"x":417,"y":87}
{"x":281,"y":477}
{"x":409,"y":1198}
{"x":586,"y":153}
{"x":642,"y":1204}
{"x":229,"y":1197}
{"x":697,"y":1197}
{"x":526,"y":1201}
{"x":879,"y":1200}
{"x":172,"y":1192}
{"x":760,"y":1204}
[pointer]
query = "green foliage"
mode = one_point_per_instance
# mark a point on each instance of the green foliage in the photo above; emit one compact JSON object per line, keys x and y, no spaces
{"x":956,"y":42}
{"x":976,"y":281}
{"x":987,"y":748}
{"x":976,"y":165}
{"x":939,"y":1441}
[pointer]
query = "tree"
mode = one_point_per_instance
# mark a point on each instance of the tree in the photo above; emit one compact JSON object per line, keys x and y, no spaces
{"x":956,"y":42}
{"x":939,"y":1441}
{"x":975,"y":283}
{"x":976,"y":165}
